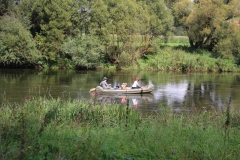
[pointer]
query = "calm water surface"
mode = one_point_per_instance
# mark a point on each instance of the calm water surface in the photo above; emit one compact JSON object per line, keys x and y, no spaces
{"x":183,"y":92}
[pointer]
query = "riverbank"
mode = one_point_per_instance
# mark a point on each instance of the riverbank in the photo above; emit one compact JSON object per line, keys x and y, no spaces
{"x":176,"y":56}
{"x":45,"y":128}
{"x":183,"y":59}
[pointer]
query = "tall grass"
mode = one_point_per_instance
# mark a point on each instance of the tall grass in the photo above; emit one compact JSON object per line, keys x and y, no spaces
{"x":43,"y":128}
{"x":169,"y":59}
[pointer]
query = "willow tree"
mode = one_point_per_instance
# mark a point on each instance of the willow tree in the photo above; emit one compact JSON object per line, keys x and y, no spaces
{"x":100,"y":20}
{"x":6,"y":6}
{"x":17,"y":46}
{"x":228,"y":42}
{"x":204,"y":19}
{"x":114,"y":23}
{"x":161,"y":19}
{"x":124,"y":29}
{"x":85,"y":51}
{"x":81,"y":19}
{"x":52,"y":23}
{"x":128,"y":26}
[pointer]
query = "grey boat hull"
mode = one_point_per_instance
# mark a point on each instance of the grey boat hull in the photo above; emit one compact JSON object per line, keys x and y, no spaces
{"x":146,"y":89}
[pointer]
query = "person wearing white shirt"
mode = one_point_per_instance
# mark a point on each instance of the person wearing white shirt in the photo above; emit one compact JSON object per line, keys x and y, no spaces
{"x":136,"y":84}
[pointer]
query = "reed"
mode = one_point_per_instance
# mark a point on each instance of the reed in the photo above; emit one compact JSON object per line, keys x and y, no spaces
{"x":46,"y":128}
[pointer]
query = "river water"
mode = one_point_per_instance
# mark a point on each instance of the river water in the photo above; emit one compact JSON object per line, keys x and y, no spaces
{"x":181,"y":91}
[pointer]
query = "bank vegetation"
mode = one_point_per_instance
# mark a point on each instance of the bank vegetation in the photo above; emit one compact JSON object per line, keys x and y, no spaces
{"x":70,"y":34}
{"x":44,"y":128}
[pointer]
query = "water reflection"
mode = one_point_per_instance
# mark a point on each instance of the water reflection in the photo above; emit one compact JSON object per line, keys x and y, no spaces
{"x":142,"y":102}
{"x":174,"y":94}
{"x":182,"y":92}
{"x":137,"y":101}
{"x":185,"y":95}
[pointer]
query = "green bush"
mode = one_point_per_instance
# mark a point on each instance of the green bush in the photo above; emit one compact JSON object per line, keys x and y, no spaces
{"x":17,"y":46}
{"x":85,"y":52}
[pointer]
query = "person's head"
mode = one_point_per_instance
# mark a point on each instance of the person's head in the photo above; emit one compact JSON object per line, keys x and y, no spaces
{"x":137,"y":79}
{"x":104,"y":78}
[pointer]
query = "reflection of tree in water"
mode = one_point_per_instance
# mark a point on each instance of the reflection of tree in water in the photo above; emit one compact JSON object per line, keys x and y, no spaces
{"x":197,"y":94}
{"x":172,"y":94}
{"x":206,"y":95}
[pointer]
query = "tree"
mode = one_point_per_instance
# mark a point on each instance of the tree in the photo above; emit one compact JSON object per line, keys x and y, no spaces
{"x":100,"y":20}
{"x":128,"y":26}
{"x":161,"y":19}
{"x":203,"y":20}
{"x":52,"y":23}
{"x":228,"y":46}
{"x":5,"y":6}
{"x":17,"y":46}
{"x":84,"y":51}
{"x":124,"y":28}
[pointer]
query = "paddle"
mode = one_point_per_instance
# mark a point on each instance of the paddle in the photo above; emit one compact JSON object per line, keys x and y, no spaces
{"x":92,"y":89}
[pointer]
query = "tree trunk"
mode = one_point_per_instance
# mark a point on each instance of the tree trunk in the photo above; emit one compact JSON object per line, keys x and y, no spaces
{"x":191,"y":42}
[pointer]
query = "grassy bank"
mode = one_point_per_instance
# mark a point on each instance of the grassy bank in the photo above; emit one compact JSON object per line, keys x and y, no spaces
{"x":176,"y":55}
{"x":185,"y":60}
{"x":42,"y":128}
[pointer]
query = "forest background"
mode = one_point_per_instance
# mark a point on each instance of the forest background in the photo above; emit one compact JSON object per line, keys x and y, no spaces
{"x":91,"y":34}
{"x":122,"y":34}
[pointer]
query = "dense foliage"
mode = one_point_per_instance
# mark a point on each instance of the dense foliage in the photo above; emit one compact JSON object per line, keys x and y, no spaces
{"x":209,"y":23}
{"x":122,"y":31}
{"x":45,"y":128}
{"x":17,"y":46}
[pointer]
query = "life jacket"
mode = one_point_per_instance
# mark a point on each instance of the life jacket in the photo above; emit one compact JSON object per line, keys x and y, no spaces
{"x":123,"y":86}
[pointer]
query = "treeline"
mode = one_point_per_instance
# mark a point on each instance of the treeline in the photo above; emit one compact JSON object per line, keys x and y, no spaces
{"x":89,"y":33}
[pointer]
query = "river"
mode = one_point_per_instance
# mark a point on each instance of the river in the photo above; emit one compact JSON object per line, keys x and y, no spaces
{"x":183,"y":92}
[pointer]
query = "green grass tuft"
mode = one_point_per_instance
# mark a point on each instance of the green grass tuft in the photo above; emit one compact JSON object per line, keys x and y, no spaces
{"x":43,"y":128}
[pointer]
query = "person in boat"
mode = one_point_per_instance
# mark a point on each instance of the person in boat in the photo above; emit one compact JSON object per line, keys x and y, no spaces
{"x":124,"y":86}
{"x":136,"y":84}
{"x":117,"y":88}
{"x":104,"y":84}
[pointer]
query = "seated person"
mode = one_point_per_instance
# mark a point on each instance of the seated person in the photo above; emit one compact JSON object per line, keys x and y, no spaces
{"x":135,"y":84}
{"x":104,"y":83}
{"x":117,"y":87}
{"x":123,"y":86}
